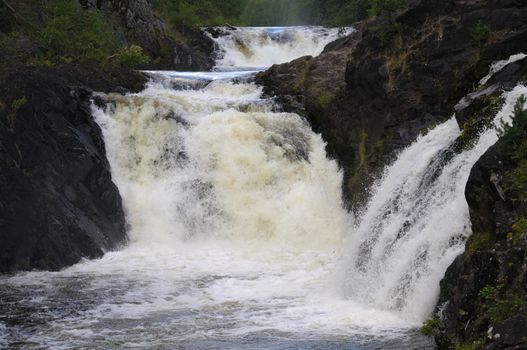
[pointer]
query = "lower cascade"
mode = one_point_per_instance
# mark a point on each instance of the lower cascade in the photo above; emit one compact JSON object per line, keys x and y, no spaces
{"x":238,"y":234}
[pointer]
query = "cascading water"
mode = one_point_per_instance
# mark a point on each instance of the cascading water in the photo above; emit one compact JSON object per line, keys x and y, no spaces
{"x":254,"y":48}
{"x":238,"y":236}
{"x":416,"y":222}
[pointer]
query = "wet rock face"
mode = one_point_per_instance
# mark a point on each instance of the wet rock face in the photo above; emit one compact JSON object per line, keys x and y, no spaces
{"x":58,"y":203}
{"x":484,"y":293}
{"x":399,"y":79}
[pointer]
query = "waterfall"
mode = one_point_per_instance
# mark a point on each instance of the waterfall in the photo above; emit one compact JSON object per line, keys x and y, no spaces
{"x":255,"y":48}
{"x":417,"y":221}
{"x":218,"y":163}
{"x":238,"y":235}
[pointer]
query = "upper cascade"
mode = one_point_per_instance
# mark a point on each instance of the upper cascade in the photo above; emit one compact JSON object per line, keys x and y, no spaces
{"x":257,"y":48}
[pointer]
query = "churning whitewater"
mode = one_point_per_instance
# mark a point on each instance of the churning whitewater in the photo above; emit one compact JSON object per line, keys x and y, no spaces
{"x":238,"y":236}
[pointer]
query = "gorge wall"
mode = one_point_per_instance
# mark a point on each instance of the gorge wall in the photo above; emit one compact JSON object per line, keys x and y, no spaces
{"x":372,"y":93}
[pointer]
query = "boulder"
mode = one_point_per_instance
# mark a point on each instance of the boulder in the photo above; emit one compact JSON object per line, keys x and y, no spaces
{"x":58,"y":203}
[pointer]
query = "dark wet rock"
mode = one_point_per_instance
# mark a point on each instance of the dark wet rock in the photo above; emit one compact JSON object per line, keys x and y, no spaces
{"x":483,"y":297}
{"x":483,"y":293}
{"x":400,"y":80}
{"x":58,"y":203}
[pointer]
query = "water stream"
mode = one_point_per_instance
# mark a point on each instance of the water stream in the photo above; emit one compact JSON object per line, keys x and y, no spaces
{"x":238,"y":236}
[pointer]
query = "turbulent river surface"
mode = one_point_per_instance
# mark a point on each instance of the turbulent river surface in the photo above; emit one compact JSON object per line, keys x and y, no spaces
{"x":238,"y":236}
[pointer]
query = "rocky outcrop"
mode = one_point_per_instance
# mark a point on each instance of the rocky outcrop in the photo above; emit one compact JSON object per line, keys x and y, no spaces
{"x":401,"y":78}
{"x":483,"y":302}
{"x":58,"y":203}
{"x":143,"y":27}
{"x":484,"y":293}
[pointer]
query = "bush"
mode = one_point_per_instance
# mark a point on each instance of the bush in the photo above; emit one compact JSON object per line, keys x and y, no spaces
{"x":73,"y":33}
{"x":132,"y":56}
{"x":480,"y":33}
{"x":514,"y":134}
{"x":513,"y":141}
{"x":431,"y":327}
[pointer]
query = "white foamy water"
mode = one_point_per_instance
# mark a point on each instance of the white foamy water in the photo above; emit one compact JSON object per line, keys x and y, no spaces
{"x":416,"y":222}
{"x":256,"y":48}
{"x":499,"y":65}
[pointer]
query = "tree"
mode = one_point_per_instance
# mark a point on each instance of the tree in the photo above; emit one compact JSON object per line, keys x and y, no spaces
{"x":388,"y":7}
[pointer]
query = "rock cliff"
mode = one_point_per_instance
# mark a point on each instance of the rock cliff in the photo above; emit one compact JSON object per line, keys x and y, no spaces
{"x":58,"y":203}
{"x":400,"y":79}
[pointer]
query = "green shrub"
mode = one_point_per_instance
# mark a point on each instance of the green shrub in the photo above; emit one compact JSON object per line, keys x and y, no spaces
{"x":73,"y":33}
{"x":132,"y":56}
{"x":15,"y":107}
{"x":513,"y":141}
{"x":431,"y":327}
{"x":480,"y":33}
{"x":513,"y":134}
{"x":497,"y":306}
{"x":473,"y":345}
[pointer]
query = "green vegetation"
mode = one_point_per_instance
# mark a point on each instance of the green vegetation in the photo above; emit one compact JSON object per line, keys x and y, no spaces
{"x":473,"y":345}
{"x":15,"y":107}
{"x":132,"y":56}
{"x":324,"y":100}
{"x":65,"y":33}
{"x":495,"y":305}
{"x":514,"y":144}
{"x":73,"y":33}
{"x":480,"y":33}
{"x":201,"y":13}
{"x":386,"y":7}
{"x":431,"y":327}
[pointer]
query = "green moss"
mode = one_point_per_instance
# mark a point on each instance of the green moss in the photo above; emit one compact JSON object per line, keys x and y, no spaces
{"x":480,"y":33}
{"x":478,"y":241}
{"x":472,"y":345}
{"x":497,"y":305}
{"x":379,"y":147}
{"x":324,"y":100}
{"x":520,"y":226}
{"x":518,"y":229}
{"x":363,"y":157}
{"x":15,"y":107}
{"x":19,"y":103}
{"x":431,"y":327}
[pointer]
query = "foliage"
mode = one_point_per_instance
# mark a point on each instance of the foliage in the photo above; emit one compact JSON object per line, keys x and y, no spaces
{"x":480,"y":33}
{"x":431,"y":327}
{"x":520,"y":226}
{"x":497,"y":306}
{"x":386,"y":7}
{"x":474,"y":345}
{"x":514,"y":144}
{"x":132,"y":56}
{"x":15,"y":107}
{"x":200,"y":13}
{"x":73,"y":33}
